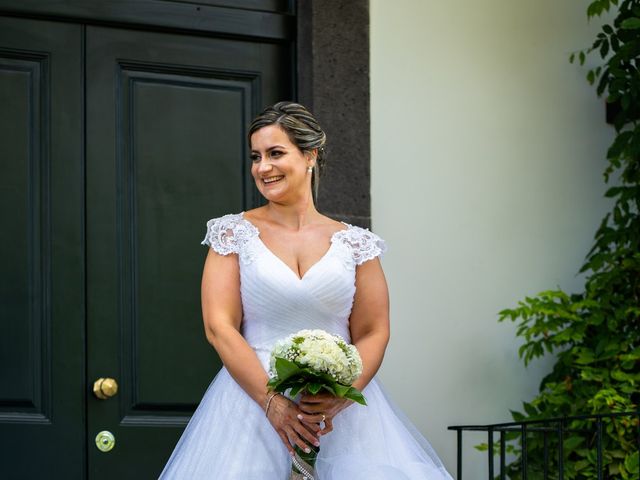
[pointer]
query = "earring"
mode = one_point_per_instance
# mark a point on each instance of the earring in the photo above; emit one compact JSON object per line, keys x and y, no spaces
{"x":309,"y":169}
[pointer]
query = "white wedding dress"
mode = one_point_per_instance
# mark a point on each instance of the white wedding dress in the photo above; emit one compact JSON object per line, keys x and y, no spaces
{"x":229,"y":437}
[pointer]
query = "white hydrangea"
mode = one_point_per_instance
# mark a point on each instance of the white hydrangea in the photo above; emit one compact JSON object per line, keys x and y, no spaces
{"x":320,"y":351}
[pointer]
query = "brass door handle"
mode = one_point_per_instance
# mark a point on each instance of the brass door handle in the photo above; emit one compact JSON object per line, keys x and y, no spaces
{"x":104,"y":388}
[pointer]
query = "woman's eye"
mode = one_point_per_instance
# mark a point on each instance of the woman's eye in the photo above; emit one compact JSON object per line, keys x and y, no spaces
{"x":276,"y":153}
{"x":254,"y":158}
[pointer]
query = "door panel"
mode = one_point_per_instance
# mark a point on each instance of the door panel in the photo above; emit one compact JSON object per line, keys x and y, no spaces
{"x":41,"y":251}
{"x":166,"y":151}
{"x":105,"y":188}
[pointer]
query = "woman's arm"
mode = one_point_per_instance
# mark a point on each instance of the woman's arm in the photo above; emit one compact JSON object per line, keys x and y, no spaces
{"x":222,"y":316}
{"x":369,"y":326}
{"x":369,"y":322}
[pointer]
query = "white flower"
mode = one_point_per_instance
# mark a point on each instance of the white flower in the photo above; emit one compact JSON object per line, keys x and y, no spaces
{"x":321,"y":352}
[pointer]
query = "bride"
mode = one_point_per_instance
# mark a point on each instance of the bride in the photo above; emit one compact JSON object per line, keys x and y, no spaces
{"x":272,"y":271}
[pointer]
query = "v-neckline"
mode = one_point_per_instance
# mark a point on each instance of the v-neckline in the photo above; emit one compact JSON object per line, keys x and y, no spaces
{"x":283,"y":263}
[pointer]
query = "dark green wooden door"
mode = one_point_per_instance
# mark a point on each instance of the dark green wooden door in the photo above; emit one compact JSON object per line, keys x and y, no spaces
{"x":166,"y":120}
{"x":117,"y":145}
{"x":42,"y":397}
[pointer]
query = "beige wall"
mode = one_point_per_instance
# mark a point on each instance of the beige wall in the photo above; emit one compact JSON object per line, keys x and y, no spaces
{"x":487,"y":153}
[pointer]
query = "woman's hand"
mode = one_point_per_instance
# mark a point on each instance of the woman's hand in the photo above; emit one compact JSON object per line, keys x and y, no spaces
{"x":287,"y":419}
{"x":322,"y":407}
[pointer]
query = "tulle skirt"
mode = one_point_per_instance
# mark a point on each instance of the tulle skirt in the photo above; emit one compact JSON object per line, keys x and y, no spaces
{"x":229,"y":438}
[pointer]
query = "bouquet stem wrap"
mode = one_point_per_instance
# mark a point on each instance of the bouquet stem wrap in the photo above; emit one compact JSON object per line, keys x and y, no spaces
{"x":310,"y":361}
{"x":304,"y":464}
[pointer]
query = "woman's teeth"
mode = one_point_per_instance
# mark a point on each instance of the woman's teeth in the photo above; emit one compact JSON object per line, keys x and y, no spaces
{"x":272,"y":179}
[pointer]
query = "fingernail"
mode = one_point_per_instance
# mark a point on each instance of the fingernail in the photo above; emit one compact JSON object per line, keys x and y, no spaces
{"x":299,"y":417}
{"x":316,"y":443}
{"x":307,"y":450}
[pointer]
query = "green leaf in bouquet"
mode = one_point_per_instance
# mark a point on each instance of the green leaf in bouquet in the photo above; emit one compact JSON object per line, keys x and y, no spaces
{"x":329,"y":388}
{"x":314,"y":387}
{"x":355,"y":395}
{"x":345,"y":391}
{"x":310,"y":373}
{"x":295,"y":381}
{"x":296,"y":389}
{"x":273,"y":383}
{"x":328,"y":379}
{"x":286,"y":368}
{"x":279,"y":385}
{"x":341,"y":390}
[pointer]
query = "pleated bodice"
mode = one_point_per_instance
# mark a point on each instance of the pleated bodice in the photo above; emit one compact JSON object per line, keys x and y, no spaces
{"x":275,"y":300}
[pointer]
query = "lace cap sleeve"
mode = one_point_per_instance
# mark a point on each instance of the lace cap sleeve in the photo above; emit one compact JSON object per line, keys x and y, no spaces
{"x":363,"y":244}
{"x":228,"y":234}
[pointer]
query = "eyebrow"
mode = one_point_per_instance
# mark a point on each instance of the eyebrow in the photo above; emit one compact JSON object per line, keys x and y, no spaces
{"x":272,"y":148}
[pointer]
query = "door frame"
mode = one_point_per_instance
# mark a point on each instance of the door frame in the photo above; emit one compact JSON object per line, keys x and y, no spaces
{"x":209,"y":17}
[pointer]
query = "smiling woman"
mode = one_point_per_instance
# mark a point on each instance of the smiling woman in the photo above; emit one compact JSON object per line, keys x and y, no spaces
{"x":275,"y":270}
{"x":302,"y":130}
{"x":279,"y":167}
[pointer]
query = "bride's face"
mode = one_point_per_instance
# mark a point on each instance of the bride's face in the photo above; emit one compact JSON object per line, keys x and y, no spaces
{"x":278,"y":166}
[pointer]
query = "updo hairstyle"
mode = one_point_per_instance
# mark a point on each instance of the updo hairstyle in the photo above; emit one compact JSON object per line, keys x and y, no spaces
{"x":301,"y":128}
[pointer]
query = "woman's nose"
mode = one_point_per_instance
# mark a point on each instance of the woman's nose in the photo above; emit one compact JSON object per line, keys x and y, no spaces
{"x":264,"y":166}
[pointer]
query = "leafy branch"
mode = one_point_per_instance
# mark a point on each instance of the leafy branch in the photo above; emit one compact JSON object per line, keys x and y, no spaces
{"x":595,"y":334}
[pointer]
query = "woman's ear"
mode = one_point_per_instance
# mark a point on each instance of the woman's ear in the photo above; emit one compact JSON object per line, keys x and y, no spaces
{"x":312,"y":156}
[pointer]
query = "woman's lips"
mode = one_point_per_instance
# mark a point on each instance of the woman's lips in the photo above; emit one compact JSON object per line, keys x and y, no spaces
{"x":272,"y":180}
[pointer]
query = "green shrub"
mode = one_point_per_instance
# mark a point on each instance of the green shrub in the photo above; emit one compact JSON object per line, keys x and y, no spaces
{"x":595,"y":335}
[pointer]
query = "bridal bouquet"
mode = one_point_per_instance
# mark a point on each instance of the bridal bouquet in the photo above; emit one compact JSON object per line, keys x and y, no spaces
{"x":311,"y":361}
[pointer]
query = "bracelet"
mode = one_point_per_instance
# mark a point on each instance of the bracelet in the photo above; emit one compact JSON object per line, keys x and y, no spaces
{"x":266,"y":408}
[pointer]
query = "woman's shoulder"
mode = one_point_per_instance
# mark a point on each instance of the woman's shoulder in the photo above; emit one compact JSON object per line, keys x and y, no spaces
{"x":226,"y":218}
{"x":228,"y":233}
{"x":362,"y":242}
{"x":333,"y":226}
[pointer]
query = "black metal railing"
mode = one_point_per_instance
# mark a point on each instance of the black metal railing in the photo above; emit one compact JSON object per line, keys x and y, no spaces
{"x":556,"y":428}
